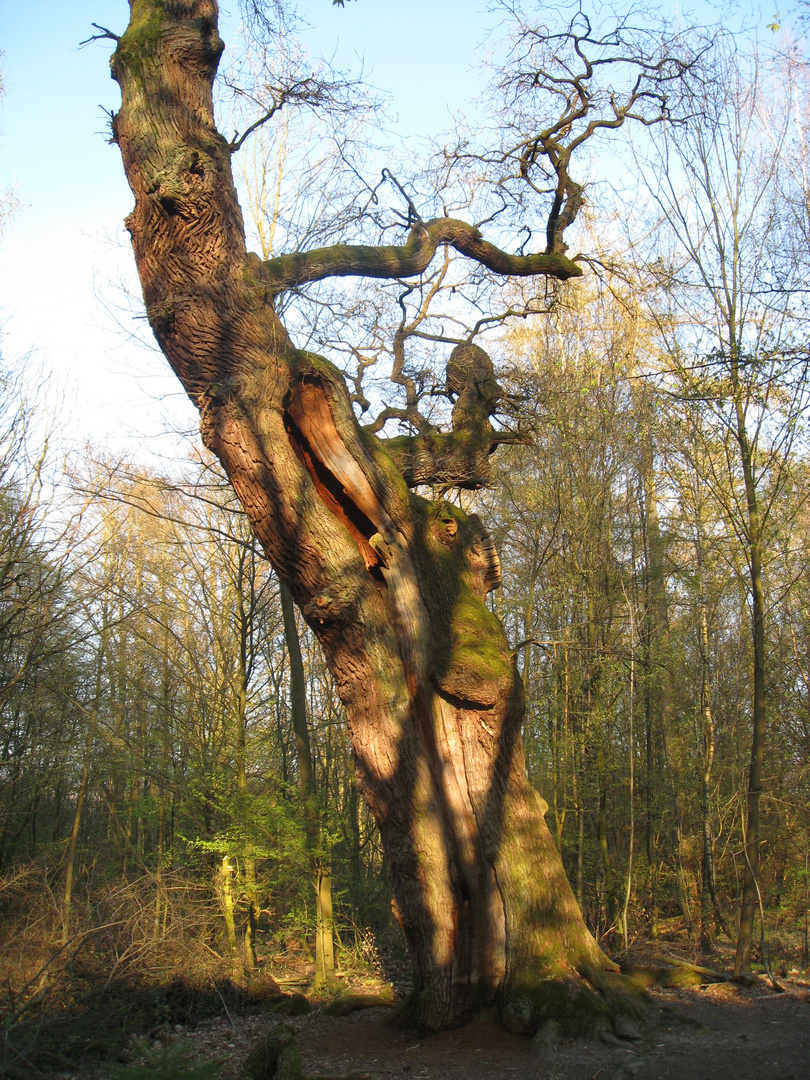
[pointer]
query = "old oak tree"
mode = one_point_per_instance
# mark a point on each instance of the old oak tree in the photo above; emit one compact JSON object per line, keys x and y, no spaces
{"x":392,"y":584}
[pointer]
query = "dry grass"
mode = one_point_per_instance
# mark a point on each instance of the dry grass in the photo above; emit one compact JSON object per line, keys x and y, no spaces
{"x":143,"y":958}
{"x":130,"y":965}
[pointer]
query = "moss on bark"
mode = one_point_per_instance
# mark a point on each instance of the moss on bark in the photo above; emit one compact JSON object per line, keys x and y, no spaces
{"x":580,"y":1004}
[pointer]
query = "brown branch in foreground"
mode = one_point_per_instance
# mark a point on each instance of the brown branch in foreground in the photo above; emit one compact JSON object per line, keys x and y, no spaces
{"x":412,"y":257}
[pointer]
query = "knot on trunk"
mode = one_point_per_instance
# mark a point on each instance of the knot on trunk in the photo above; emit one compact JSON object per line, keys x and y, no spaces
{"x":470,"y":378}
{"x":330,"y":606}
{"x":179,"y":185}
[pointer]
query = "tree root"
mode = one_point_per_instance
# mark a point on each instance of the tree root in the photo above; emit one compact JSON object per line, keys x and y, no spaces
{"x":681,"y":974}
{"x":578,"y":1005}
{"x":568,"y":1004}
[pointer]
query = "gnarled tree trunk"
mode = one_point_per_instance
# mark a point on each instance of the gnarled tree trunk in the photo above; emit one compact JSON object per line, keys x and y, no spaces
{"x":392,"y":585}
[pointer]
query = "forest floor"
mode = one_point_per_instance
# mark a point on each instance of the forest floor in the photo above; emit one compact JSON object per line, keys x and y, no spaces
{"x":699,"y":1032}
{"x":707,"y":1032}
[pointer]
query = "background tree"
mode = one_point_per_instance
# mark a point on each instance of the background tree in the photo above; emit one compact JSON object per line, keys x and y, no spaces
{"x":730,"y":294}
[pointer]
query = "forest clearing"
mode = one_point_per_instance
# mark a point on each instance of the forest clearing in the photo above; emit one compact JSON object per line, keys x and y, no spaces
{"x":442,"y":707}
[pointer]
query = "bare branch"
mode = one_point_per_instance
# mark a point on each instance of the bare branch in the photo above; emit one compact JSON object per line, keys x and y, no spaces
{"x":559,"y":90}
{"x":105,"y":35}
{"x":412,"y":257}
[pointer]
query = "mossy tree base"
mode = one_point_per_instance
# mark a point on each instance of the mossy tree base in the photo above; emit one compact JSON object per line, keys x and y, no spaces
{"x":580,"y":1004}
{"x":570,"y":1005}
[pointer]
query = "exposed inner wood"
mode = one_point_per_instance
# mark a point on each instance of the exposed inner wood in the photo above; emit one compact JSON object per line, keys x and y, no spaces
{"x":338,"y":479}
{"x":346,"y":491}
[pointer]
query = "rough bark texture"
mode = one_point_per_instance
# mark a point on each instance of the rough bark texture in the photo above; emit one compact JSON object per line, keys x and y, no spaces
{"x":392,"y":585}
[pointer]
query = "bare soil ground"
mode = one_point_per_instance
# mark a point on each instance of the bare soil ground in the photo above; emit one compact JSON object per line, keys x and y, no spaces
{"x":712,"y":1032}
{"x":702,"y":1033}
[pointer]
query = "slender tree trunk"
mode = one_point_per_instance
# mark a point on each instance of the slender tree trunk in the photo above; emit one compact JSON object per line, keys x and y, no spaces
{"x":392,"y":585}
{"x":559,"y":748}
{"x":577,"y":777}
{"x":806,"y":928}
{"x":159,"y":887}
{"x":629,"y":883}
{"x":654,"y":631}
{"x":608,"y":869}
{"x":226,"y":888}
{"x":324,"y":926}
{"x":70,"y":870}
{"x":707,"y":882}
{"x":160,"y":892}
{"x":243,"y":618}
{"x":653,"y":862}
{"x":709,"y":905}
{"x":67,"y":904}
{"x":580,"y":876}
{"x":57,"y":808}
{"x":321,"y":871}
{"x":569,"y":759}
{"x":748,"y":907}
{"x":355,"y":862}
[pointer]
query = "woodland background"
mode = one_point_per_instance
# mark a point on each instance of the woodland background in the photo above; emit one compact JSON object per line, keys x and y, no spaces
{"x":158,"y":816}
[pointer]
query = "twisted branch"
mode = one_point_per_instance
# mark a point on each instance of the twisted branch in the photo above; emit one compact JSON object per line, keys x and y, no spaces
{"x":412,"y":257}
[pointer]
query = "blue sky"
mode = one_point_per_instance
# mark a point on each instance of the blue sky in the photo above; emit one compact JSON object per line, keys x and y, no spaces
{"x":65,"y":257}
{"x":65,"y":260}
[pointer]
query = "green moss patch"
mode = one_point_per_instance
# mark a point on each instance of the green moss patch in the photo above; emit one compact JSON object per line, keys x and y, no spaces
{"x":289,"y":1005}
{"x":470,"y":652}
{"x":349,"y":1003}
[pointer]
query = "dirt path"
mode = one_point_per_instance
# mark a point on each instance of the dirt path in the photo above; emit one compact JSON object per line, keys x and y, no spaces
{"x":716,"y":1032}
